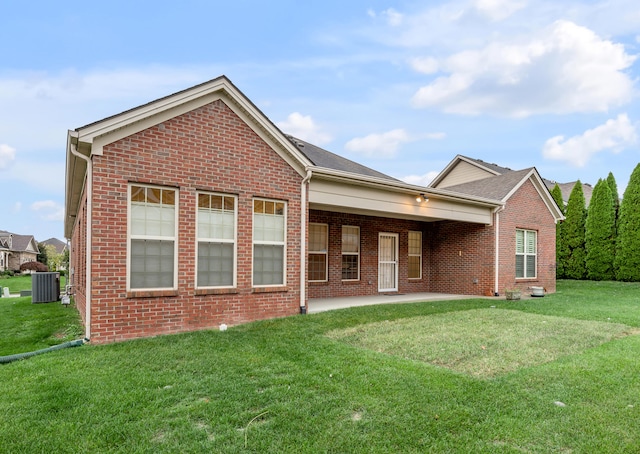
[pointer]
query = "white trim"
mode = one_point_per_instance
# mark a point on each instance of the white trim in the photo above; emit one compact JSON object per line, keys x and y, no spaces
{"x":526,"y":254}
{"x":174,"y":238}
{"x":393,"y":262}
{"x":218,"y":240}
{"x":270,"y":243}
{"x":89,"y":237}
{"x":326,"y":252}
{"x":414,"y":255}
{"x":342,"y":253}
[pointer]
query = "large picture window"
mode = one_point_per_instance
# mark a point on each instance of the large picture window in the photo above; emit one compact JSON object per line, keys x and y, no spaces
{"x":269,"y":251}
{"x":526,"y":254}
{"x":318,"y":236}
{"x":350,"y":253}
{"x":415,"y":255}
{"x":216,"y":240}
{"x":152,"y":237}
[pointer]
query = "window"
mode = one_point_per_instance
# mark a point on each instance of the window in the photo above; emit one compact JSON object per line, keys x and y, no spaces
{"x":415,"y":255}
{"x":350,"y":253}
{"x":152,"y":238}
{"x":526,"y":249}
{"x":318,"y":252}
{"x":269,"y":220}
{"x":216,"y":240}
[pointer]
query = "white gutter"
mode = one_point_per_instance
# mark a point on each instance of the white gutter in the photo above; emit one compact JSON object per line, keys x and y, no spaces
{"x":303,"y":242}
{"x":496,"y":282}
{"x":89,"y":186}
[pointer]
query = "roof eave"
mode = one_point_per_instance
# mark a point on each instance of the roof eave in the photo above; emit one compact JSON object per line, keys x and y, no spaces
{"x":399,"y":186}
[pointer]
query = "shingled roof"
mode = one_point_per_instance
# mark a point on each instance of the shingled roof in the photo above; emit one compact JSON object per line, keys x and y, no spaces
{"x":18,"y":243}
{"x":492,"y":167}
{"x":497,"y":187}
{"x":323,"y":158}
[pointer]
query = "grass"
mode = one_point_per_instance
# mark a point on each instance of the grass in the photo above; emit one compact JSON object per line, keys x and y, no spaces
{"x":286,"y":386}
{"x":19,"y":283}
{"x":26,"y":327}
{"x":482,"y":342}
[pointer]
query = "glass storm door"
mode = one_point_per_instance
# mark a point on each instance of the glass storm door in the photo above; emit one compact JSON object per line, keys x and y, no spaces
{"x":388,"y":262}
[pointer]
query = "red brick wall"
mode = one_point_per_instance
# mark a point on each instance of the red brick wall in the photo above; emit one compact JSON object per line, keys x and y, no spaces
{"x":462,"y":258}
{"x":208,"y":149}
{"x":526,"y":210}
{"x":370,"y":227}
{"x":77,"y":254}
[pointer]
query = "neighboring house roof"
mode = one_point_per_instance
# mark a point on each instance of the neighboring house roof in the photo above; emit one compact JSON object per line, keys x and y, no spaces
{"x":19,"y":243}
{"x":323,"y":158}
{"x":56,"y":243}
{"x":566,"y":189}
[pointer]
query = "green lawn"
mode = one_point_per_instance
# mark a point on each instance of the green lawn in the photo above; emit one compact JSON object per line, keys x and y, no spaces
{"x":26,"y":327}
{"x":301,"y":384}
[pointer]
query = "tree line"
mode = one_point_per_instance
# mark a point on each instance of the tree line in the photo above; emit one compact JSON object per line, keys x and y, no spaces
{"x":602,"y":241}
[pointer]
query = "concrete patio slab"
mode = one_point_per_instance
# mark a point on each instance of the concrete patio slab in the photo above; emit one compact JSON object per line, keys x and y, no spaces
{"x":316,"y":305}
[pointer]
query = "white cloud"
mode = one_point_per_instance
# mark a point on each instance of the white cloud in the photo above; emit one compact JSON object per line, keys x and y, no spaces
{"x":49,"y":210}
{"x":303,"y":127}
{"x":7,"y":156}
{"x":420,"y":180}
{"x":383,"y":145}
{"x":614,"y":135}
{"x":394,"y":18}
{"x":564,"y":69}
{"x":425,"y":65}
{"x":497,"y":10}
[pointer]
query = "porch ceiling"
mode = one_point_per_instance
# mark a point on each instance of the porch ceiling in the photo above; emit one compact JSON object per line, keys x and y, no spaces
{"x":342,"y":197}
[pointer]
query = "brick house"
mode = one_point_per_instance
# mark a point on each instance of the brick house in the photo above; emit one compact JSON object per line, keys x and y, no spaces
{"x":16,"y":249}
{"x":195,"y":210}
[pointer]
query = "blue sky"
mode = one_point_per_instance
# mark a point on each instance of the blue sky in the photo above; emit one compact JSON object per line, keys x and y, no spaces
{"x":400,"y":86}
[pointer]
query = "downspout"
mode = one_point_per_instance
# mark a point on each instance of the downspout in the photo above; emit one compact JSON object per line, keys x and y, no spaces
{"x":303,"y":242}
{"x":74,"y":151}
{"x":496,"y":282}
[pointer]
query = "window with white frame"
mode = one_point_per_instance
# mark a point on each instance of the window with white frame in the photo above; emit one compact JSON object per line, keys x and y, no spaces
{"x":350,"y":253}
{"x":269,"y":251}
{"x":526,"y":253}
{"x":216,"y":240}
{"x":318,"y":243}
{"x":152,"y":237}
{"x":415,"y":255}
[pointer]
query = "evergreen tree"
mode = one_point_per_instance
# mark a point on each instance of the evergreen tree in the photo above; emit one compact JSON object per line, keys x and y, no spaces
{"x":574,"y":235}
{"x":611,"y":181}
{"x":628,"y":246}
{"x":600,"y":233}
{"x":556,"y":193}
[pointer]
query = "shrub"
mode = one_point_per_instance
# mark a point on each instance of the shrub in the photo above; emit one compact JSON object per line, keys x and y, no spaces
{"x":34,"y":266}
{"x":600,"y":233}
{"x":628,"y":245}
{"x":574,"y":235}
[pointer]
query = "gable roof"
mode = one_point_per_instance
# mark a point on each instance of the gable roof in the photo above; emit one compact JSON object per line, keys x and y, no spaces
{"x":56,"y":243}
{"x":19,"y":243}
{"x":328,"y":160}
{"x":497,"y":182}
{"x":498,"y":187}
{"x":566,"y":188}
{"x":89,"y":140}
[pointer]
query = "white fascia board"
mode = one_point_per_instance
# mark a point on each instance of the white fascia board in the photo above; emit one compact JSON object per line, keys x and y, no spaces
{"x":99,"y":134}
{"x":370,"y":200}
{"x":543,"y":191}
{"x":398,"y":186}
{"x":454,"y":162}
